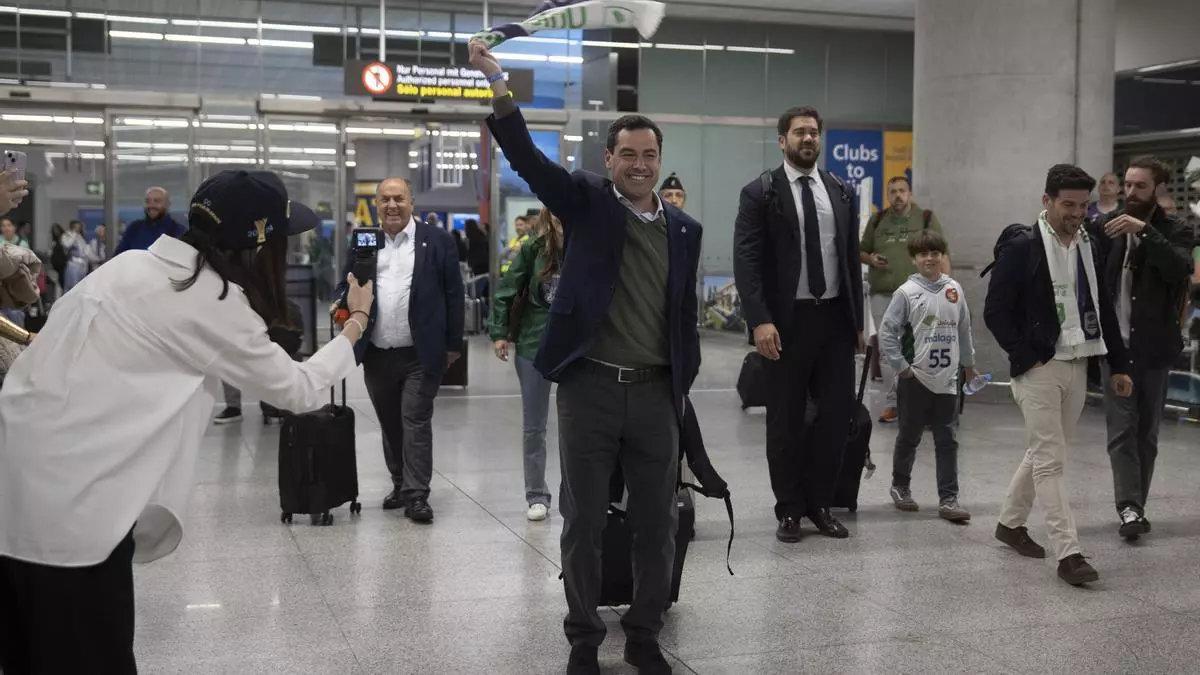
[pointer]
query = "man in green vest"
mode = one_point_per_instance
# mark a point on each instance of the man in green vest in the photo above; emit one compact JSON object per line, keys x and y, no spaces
{"x":884,"y":247}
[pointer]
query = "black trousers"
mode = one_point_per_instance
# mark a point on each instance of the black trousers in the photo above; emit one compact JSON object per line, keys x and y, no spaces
{"x":817,"y":360}
{"x":603,"y":423}
{"x":402,"y":394}
{"x":68,"y":619}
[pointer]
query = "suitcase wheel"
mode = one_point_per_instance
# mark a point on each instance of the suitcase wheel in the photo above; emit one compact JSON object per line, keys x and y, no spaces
{"x":285,"y":518}
{"x":355,"y":508}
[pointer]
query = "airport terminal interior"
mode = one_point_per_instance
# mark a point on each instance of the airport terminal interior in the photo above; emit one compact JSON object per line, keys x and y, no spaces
{"x":117,"y":111}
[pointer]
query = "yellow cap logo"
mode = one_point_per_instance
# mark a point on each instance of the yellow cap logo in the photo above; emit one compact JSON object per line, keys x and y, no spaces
{"x":261,"y":226}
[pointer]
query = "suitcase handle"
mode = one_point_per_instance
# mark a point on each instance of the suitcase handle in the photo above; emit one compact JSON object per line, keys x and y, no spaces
{"x":333,"y":390}
{"x":862,"y":380}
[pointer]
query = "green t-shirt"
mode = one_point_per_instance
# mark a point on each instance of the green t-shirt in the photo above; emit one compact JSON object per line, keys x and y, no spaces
{"x":888,"y":236}
{"x":634,"y":334}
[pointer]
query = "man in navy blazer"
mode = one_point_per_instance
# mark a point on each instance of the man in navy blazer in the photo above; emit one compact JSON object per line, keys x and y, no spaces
{"x":621,"y":342}
{"x":414,"y":332}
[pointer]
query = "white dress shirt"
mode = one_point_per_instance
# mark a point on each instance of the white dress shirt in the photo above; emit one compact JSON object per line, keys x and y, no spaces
{"x":393,"y":289}
{"x":101,"y":418}
{"x":644,"y":216}
{"x":828,"y":227}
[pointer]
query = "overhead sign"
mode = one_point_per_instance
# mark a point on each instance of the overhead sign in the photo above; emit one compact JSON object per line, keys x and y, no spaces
{"x":855,"y":154}
{"x":412,"y":82}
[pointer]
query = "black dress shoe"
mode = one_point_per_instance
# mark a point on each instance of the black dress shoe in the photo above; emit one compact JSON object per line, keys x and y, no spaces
{"x":789,"y":530}
{"x":646,"y":657}
{"x":419,"y":511}
{"x":393,"y":501}
{"x":583,"y":661}
{"x":828,"y":525}
{"x":1075,"y":570}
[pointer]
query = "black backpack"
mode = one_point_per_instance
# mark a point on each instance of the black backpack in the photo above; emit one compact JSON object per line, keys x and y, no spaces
{"x":1009,"y":235}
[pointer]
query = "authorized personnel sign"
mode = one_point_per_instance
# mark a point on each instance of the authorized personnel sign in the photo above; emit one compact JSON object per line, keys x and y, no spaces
{"x":411,"y":82}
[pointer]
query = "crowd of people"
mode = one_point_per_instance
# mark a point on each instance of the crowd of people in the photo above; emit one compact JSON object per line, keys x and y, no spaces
{"x":598,"y":294}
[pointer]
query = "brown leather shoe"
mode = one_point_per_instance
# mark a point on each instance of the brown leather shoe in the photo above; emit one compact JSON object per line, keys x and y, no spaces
{"x":1075,"y":570}
{"x":1018,"y":539}
{"x":888,"y":415}
{"x":789,"y":530}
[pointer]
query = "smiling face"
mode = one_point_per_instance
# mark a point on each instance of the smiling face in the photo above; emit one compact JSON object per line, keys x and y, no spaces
{"x":1066,"y":212}
{"x":802,"y":144}
{"x":157,"y":203}
{"x":929,"y":264}
{"x":634,"y":163}
{"x":394,"y":203}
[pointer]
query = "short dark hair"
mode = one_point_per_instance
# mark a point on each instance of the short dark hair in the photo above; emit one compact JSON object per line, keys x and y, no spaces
{"x":897,"y":179}
{"x":632,"y":123}
{"x":1067,"y":177}
{"x":925,"y":241}
{"x":1157,"y":168}
{"x":785,"y":120}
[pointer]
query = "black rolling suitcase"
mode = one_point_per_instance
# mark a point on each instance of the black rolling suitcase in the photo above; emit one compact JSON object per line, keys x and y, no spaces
{"x":752,"y":380}
{"x":857,"y":455}
{"x":616,"y":577}
{"x":318,"y":469}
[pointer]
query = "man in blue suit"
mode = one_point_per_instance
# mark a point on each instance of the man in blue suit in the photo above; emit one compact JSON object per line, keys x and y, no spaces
{"x":621,"y":342}
{"x":414,"y":332}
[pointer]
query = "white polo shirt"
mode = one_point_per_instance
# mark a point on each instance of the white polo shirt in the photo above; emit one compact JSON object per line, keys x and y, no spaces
{"x":101,"y":418}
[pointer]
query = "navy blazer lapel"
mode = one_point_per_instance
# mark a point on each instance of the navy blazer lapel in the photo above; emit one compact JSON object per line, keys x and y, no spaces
{"x":1039,"y":256}
{"x":421,"y":248}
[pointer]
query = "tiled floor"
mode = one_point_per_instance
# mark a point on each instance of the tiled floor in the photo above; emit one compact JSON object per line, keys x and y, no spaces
{"x":477,"y":592}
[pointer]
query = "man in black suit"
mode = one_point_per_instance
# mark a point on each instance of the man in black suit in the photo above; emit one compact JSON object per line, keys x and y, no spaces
{"x":621,"y":342}
{"x":414,"y":332}
{"x":796,"y":264}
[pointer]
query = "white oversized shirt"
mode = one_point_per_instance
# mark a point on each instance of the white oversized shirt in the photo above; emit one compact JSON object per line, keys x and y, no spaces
{"x":101,"y":418}
{"x":827,"y":224}
{"x":393,"y":289}
{"x":1063,"y":262}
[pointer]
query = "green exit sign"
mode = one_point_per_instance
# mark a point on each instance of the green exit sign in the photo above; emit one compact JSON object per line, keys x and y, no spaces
{"x":95,"y":187}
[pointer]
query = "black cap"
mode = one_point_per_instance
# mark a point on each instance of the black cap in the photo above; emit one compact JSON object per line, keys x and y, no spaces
{"x":244,"y":209}
{"x":671,"y":183}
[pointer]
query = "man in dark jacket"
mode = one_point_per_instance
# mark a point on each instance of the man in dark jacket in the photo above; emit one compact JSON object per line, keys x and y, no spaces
{"x":158,"y":221}
{"x":621,"y":342}
{"x":796,"y":264}
{"x":1048,"y":307}
{"x":1145,"y":257}
{"x":414,"y":333}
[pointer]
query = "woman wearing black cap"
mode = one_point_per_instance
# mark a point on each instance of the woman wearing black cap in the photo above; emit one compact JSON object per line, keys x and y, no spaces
{"x":101,"y":419}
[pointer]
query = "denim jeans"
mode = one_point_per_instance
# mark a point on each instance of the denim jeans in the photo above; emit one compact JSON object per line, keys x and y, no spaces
{"x":535,"y":406}
{"x":920,"y":408}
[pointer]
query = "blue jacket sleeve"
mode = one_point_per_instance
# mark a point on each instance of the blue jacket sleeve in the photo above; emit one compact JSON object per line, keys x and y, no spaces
{"x":123,"y":245}
{"x":552,"y":184}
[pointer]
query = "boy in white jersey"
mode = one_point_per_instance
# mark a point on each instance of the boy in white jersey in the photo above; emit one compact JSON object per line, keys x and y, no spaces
{"x":925,"y":336}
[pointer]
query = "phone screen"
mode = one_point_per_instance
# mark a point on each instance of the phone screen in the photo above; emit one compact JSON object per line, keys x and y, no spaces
{"x":366,"y":240}
{"x":14,"y":163}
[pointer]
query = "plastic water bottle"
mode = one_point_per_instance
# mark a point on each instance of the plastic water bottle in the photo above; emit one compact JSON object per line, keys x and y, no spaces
{"x":978,"y":382}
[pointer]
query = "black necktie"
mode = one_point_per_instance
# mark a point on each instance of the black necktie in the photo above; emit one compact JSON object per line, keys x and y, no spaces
{"x":812,"y":240}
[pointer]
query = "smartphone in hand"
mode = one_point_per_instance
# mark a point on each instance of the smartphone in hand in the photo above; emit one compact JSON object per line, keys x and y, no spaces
{"x":14,"y":163}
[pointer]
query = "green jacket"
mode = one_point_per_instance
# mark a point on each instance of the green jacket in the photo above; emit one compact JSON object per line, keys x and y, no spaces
{"x":525,"y":271}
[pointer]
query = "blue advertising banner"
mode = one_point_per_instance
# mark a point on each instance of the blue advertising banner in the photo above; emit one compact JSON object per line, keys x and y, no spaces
{"x":855,"y":154}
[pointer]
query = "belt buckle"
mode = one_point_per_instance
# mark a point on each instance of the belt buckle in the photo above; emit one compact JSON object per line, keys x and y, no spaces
{"x":621,"y":375}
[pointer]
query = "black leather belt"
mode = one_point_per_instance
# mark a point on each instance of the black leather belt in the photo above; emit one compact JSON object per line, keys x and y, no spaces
{"x":626,"y":375}
{"x":813,"y":302}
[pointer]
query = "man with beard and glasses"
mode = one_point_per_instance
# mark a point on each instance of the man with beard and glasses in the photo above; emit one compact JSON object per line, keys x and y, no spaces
{"x":1048,"y":308}
{"x":884,"y":248}
{"x":621,"y":342}
{"x":141,"y":234}
{"x":1145,"y":259}
{"x":797,"y":269}
{"x":414,"y":332}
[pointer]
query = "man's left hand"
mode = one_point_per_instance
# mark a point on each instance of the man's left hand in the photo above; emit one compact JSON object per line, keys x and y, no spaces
{"x":451,"y":357}
{"x":1122,"y":385}
{"x":1122,"y":225}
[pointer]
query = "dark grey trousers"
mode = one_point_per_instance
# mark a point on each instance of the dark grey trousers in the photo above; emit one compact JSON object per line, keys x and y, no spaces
{"x":1133,"y":433}
{"x":402,"y":393}
{"x":920,"y":408}
{"x":602,"y":423}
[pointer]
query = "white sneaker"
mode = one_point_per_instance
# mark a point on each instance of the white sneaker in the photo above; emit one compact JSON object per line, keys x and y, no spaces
{"x":537,"y":511}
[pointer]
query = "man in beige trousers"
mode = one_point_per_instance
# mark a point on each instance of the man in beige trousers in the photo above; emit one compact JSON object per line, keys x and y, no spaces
{"x":1048,"y":308}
